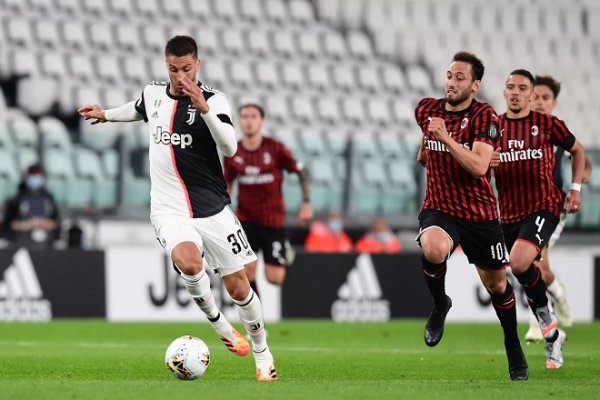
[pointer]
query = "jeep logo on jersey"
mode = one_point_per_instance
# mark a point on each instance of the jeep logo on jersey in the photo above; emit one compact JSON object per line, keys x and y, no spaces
{"x":176,"y":139}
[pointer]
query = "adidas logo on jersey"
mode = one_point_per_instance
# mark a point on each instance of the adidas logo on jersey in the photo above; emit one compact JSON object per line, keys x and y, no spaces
{"x":176,"y":139}
{"x":21,"y":297}
{"x":359,"y":298}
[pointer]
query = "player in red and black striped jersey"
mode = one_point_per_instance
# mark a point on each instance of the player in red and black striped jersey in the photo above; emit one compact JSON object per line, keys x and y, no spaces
{"x":258,"y":166}
{"x":459,"y":137}
{"x":545,"y":94}
{"x":530,"y":202}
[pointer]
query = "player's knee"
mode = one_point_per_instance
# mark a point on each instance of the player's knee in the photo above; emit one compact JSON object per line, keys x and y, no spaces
{"x":495,"y":286}
{"x":276,"y":279}
{"x":435,"y":254}
{"x":238,"y":292}
{"x":519,"y":264}
{"x":187,"y":262}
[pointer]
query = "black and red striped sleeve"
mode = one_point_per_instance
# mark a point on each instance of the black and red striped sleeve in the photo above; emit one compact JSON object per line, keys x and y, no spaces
{"x":561,"y":135}
{"x":485,"y":125}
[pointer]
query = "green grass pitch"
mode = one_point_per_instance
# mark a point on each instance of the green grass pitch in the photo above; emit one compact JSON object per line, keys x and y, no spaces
{"x":315,"y":360}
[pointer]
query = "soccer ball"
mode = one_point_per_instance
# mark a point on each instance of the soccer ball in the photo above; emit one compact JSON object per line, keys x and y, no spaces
{"x":187,"y":357}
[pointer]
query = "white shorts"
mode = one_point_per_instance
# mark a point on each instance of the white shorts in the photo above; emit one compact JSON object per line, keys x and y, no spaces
{"x":220,"y":238}
{"x":558,"y":230}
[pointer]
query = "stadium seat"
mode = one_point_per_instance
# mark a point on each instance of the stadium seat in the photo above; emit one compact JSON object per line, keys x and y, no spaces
{"x":201,"y":9}
{"x":46,"y":33}
{"x":419,"y":79}
{"x":71,"y":7}
{"x":252,"y":10}
{"x":8,"y":167}
{"x":37,"y":95}
{"x":267,"y":74}
{"x":127,"y":38}
{"x":24,"y":132}
{"x":148,"y":8}
{"x":122,"y":8}
{"x":241,"y":74}
{"x":343,"y":76}
{"x":283,"y":44}
{"x":403,"y":112}
{"x":54,"y":134}
{"x":214,"y":71}
{"x":95,"y":8}
{"x":328,"y":109}
{"x":176,"y":9}
{"x":276,"y":11}
{"x":369,"y":78}
{"x":292,"y":193}
{"x":334,"y":45}
{"x":276,"y":107}
{"x":321,"y":170}
{"x":329,"y":10}
{"x":366,"y":200}
{"x":135,"y":70}
{"x":26,"y":157}
{"x":292,"y":75}
{"x":24,"y":63}
{"x":158,"y":70}
{"x":110,"y":163}
{"x":302,"y":11}
{"x":258,"y":41}
{"x":54,"y":65}
{"x":98,"y":137}
{"x":353,"y":110}
{"x":309,"y":44}
{"x":208,"y":41}
{"x":18,"y":32}
{"x":154,"y":39}
{"x":290,"y":138}
{"x":81,"y":67}
{"x":226,"y":9}
{"x":385,"y":44}
{"x":108,"y":69}
{"x":393,"y":79}
{"x":352,"y":13}
{"x":233,"y":41}
{"x":359,"y":45}
{"x":89,"y":166}
{"x":114,"y":97}
{"x":101,"y":36}
{"x":379,"y":111}
{"x":390,"y":145}
{"x":318,"y":75}
{"x":74,"y":35}
{"x":337,"y":141}
{"x":313,"y":143}
{"x":364,"y":145}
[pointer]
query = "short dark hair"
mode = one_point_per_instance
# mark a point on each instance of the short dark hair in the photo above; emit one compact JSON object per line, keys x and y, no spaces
{"x":476,"y":63}
{"x":525,"y":73}
{"x":549,"y":81}
{"x":261,"y":110}
{"x":181,"y":45}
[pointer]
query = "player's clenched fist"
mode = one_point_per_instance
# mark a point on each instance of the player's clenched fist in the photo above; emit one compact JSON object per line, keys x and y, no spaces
{"x":92,"y":111}
{"x":437,"y":128}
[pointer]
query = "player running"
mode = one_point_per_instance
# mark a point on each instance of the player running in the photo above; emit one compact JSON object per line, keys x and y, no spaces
{"x":187,"y":122}
{"x":258,"y":166}
{"x":460,"y":135}
{"x":530,"y":202}
{"x":545,"y":94}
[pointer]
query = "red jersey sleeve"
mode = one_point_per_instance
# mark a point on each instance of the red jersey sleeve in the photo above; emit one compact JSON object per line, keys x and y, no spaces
{"x":560,"y":134}
{"x":286,"y":159}
{"x":485,"y":126}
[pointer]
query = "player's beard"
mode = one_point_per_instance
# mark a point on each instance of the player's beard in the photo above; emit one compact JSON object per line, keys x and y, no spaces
{"x":460,"y":98}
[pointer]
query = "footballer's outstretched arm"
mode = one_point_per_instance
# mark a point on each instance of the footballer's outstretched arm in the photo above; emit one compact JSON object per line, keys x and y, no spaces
{"x":125,"y":113}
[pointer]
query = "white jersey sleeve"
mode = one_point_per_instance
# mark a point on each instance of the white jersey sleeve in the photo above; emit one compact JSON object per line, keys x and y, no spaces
{"x":218,"y":120}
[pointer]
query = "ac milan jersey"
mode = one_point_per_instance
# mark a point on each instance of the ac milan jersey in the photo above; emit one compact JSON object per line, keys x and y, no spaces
{"x":450,"y":188}
{"x":260,"y":174}
{"x":185,"y":170}
{"x":524,"y":177}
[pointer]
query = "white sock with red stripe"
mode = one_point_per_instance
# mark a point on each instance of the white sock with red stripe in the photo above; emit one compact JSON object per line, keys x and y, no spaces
{"x":199,"y":287}
{"x":250,"y":311}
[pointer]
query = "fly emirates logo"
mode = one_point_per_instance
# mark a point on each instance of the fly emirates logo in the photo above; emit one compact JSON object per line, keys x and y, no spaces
{"x":436,"y":145}
{"x":517,"y":152}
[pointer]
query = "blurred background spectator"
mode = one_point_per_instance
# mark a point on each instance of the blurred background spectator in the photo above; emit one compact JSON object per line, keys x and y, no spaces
{"x":329,"y":236}
{"x":379,"y":239}
{"x":31,"y":217}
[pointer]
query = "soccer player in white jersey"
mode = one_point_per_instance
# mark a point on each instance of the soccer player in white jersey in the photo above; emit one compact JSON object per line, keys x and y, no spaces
{"x":188,"y":121}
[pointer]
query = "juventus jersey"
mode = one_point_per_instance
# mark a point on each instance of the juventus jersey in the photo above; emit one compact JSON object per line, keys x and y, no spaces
{"x":185,"y":170}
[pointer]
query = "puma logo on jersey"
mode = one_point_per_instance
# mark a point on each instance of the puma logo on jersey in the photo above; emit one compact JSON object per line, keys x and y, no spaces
{"x":176,"y":139}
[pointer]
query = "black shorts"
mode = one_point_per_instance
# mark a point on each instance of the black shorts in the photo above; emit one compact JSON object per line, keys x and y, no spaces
{"x":536,"y":229}
{"x":272,"y":241}
{"x":482,"y":242}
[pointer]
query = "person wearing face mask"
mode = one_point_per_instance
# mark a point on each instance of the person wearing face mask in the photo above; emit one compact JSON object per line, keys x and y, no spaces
{"x":379,"y":239}
{"x":329,"y":236}
{"x":31,"y":217}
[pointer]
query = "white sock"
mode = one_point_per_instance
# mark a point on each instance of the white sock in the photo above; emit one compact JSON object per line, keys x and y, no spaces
{"x":533,"y":322}
{"x":555,"y":289}
{"x":199,"y":287}
{"x":250,"y":311}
